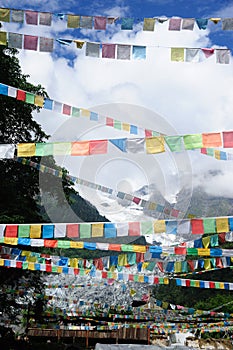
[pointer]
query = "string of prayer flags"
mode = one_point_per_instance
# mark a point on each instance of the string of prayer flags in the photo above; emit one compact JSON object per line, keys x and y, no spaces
{"x":200,"y":226}
{"x":180,"y":54}
{"x":219,"y":155}
{"x":203,"y":284}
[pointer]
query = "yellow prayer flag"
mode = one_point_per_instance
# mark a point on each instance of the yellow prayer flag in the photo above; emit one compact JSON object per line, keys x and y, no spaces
{"x":149,"y":24}
{"x":145,"y":265}
{"x":31,"y":266}
{"x":4,"y":15}
{"x":141,"y":278}
{"x":122,"y":260}
{"x":207,"y":264}
{"x":222,"y":225}
{"x":26,"y":149}
{"x":177,"y":54}
{"x":159,"y":226}
{"x":73,"y":21}
{"x":206,"y":241}
{"x":203,"y":251}
{"x":221,"y":285}
{"x":178,"y":266}
{"x":76,"y":245}
{"x":126,"y":127}
{"x":59,"y":269}
{"x":39,"y":101}
{"x":97,"y":230}
{"x":217,"y":154}
{"x":155,"y":145}
{"x":114,"y":275}
{"x":152,"y":206}
{"x":85,"y":113}
{"x":215,"y":20}
{"x":10,"y":240}
{"x":74,"y":263}
{"x":25,"y":253}
{"x":35,"y":231}
{"x":165,"y":280}
{"x":139,"y":248}
{"x":197,"y":283}
{"x":3,"y":40}
{"x":32,"y":259}
{"x":132,"y":292}
{"x":79,"y":43}
{"x":1,"y":262}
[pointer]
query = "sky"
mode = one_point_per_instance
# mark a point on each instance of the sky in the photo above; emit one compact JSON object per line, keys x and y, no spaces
{"x":155,"y":93}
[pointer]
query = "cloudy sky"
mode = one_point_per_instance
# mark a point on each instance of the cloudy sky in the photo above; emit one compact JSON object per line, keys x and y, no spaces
{"x":155,"y":93}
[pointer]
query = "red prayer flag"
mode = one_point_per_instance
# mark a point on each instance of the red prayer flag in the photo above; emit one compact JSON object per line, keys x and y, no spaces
{"x":11,"y":231}
{"x":72,"y":230}
{"x":156,"y":280}
{"x":100,"y":22}
{"x":109,"y":122}
{"x":212,"y":284}
{"x":203,"y":150}
{"x":191,"y":265}
{"x":115,"y":247}
{"x":148,"y":133}
{"x":140,"y":257}
{"x":50,"y":243}
{"x":21,"y":95}
{"x":130,"y":277}
{"x":104,"y":274}
{"x":160,"y":266}
{"x":31,"y":17}
{"x":136,"y":200}
{"x":227,"y":139}
{"x":76,"y":271}
{"x":108,"y":50}
{"x":180,"y":250}
{"x":98,"y":146}
{"x":30,"y":42}
{"x":19,"y":264}
{"x":197,"y":226}
{"x":66,"y":109}
{"x":219,"y":263}
{"x":187,"y":283}
{"x":208,"y":52}
{"x":175,"y":212}
{"x":134,"y":229}
{"x":48,"y":268}
{"x":222,"y":237}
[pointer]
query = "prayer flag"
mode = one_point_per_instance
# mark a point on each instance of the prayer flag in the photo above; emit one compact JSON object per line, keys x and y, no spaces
{"x":23,"y":231}
{"x":72,"y":230}
{"x":12,"y":91}
{"x":155,"y":145}
{"x":149,"y":24}
{"x":31,"y":17}
{"x":192,"y":55}
{"x":60,"y":231}
{"x":92,"y":49}
{"x":84,"y":230}
{"x":215,"y":20}
{"x":3,"y":89}
{"x":35,"y":231}
{"x":197,"y":226}
{"x":4,"y":15}
{"x":108,"y":50}
{"x":222,"y":225}
{"x":134,"y":229}
{"x":11,"y":231}
{"x":227,"y":23}
{"x":47,"y":231}
{"x":66,"y":109}
{"x":73,"y":21}
{"x":206,"y":241}
{"x":193,"y":141}
{"x":30,"y":42}
{"x":177,"y":54}
{"x":211,"y":140}
{"x":227,"y":139}
{"x":127,"y":23}
{"x":135,"y":145}
{"x":30,"y":98}
{"x":61,"y":148}
{"x":86,"y":22}
{"x":188,"y":23}
{"x":98,"y":146}
{"x":100,"y":22}
{"x":209,"y":225}
{"x":122,"y":229}
{"x":139,"y":52}
{"x":79,"y":43}
{"x":46,"y":44}
{"x":48,"y":104}
{"x":80,"y":148}
{"x":174,"y":24}
{"x":119,"y":143}
{"x":26,"y":149}
{"x":44,"y":149}
{"x":39,"y":100}
{"x":222,"y":56}
{"x":123,"y":52}
{"x":97,"y":230}
{"x":159,"y":226}
{"x":75,"y":112}
{"x":207,"y":52}
{"x":3,"y":39}
{"x":45,"y":18}
{"x":17,"y":16}
{"x":202,"y":23}
{"x":110,"y":230}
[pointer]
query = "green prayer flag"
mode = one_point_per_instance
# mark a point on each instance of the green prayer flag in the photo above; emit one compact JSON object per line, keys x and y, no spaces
{"x":209,"y":225}
{"x":44,"y":149}
{"x":192,"y":283}
{"x":62,"y":148}
{"x":84,"y":230}
{"x":135,"y":278}
{"x":4,"y":15}
{"x":174,"y":143}
{"x":63,"y":244}
{"x":24,"y":231}
{"x":214,"y":241}
{"x":117,"y":124}
{"x":193,"y":141}
{"x":192,"y":251}
{"x":126,"y":248}
{"x":75,"y":112}
{"x":3,"y":38}
{"x":30,"y":98}
{"x":210,"y":152}
{"x":147,"y":228}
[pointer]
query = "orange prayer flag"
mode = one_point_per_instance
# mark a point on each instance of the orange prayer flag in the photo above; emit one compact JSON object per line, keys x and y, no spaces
{"x":80,"y":148}
{"x":211,"y":140}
